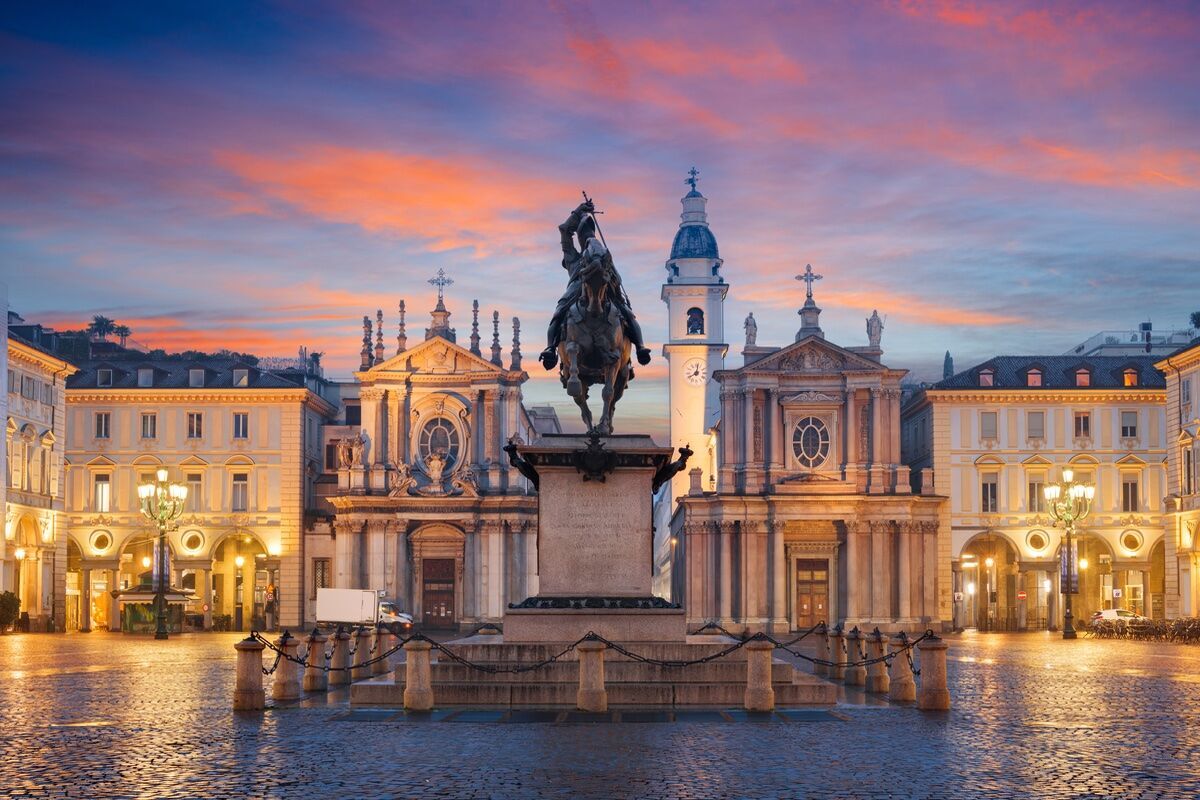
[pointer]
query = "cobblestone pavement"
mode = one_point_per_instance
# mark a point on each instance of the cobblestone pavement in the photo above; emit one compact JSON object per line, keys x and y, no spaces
{"x":103,"y":716}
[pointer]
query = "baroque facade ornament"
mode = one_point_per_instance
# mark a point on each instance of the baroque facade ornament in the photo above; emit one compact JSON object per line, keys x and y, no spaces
{"x":810,"y":359}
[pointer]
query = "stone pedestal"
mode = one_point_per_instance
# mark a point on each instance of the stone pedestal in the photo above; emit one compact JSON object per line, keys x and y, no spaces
{"x":595,"y":543}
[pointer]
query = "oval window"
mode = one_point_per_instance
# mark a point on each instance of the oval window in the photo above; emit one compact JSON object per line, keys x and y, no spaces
{"x":810,"y":442}
{"x":1131,"y":540}
{"x":1037,"y":541}
{"x":101,"y":541}
{"x":440,"y":436}
{"x":193,"y":541}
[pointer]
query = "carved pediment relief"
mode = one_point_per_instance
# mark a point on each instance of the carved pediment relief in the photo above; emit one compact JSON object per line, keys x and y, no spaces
{"x":812,"y":397}
{"x":809,"y":359}
{"x":813,"y":356}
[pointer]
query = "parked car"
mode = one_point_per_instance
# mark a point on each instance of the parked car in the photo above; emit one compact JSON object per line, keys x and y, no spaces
{"x":390,"y":613}
{"x":1116,"y":614}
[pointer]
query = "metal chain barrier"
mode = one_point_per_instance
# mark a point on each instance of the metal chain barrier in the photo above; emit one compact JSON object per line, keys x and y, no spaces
{"x":327,"y":654}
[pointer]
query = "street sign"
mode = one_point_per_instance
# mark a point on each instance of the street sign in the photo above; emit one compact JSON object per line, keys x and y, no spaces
{"x":1021,"y":595}
{"x":958,"y":596}
{"x":1116,"y":594}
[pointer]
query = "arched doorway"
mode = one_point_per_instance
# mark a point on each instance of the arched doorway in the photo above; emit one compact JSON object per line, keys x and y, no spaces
{"x":241,"y":575}
{"x":437,"y":553}
{"x":76,"y":592}
{"x":1095,"y":563}
{"x":1157,"y":589}
{"x":30,"y":564}
{"x":140,"y":572}
{"x":989,"y":565}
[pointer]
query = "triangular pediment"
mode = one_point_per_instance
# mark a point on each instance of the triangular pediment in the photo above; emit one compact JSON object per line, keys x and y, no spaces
{"x":1184,"y":437}
{"x":193,"y":461}
{"x":1130,"y":461}
{"x":812,"y":354}
{"x":1037,"y":461}
{"x":435,"y":355}
{"x":101,"y":461}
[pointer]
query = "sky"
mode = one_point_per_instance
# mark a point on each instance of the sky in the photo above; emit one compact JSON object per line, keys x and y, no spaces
{"x":994,"y":178}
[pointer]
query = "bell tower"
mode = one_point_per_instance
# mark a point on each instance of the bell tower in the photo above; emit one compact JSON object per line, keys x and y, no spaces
{"x":695,"y":346}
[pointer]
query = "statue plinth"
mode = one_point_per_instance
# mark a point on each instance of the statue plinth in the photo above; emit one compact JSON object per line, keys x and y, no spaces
{"x":595,"y":543}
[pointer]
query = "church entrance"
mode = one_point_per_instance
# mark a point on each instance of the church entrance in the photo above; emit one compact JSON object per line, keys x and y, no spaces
{"x":812,"y":592}
{"x":437,"y":597}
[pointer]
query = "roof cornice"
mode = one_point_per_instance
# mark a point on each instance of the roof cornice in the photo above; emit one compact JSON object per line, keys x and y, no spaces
{"x":36,"y":357}
{"x":196,"y":395}
{"x":1141,"y":394}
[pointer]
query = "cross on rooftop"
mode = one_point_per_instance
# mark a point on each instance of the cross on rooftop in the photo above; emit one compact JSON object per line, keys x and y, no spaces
{"x":441,"y":282}
{"x":808,"y":276}
{"x":693,"y":176}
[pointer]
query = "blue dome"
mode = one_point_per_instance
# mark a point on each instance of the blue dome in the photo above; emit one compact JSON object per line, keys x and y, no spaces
{"x":694,"y":241}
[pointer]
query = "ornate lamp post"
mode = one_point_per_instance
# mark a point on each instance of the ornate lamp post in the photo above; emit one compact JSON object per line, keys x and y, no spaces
{"x":162,"y":503}
{"x":1069,"y":502}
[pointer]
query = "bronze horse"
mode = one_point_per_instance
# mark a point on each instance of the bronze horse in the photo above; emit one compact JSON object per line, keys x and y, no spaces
{"x":595,"y":348}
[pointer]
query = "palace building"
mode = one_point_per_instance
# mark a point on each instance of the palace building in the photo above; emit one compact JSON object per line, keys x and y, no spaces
{"x":996,"y":434}
{"x":1181,"y":522}
{"x":802,"y":511}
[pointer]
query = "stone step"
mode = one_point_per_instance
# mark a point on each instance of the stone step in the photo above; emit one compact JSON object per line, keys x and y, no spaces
{"x":720,"y":671}
{"x":500,"y":653}
{"x":532,"y":695}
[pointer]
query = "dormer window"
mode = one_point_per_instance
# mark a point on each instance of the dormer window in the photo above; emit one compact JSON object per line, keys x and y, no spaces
{"x":104,"y":377}
{"x":987,"y":377}
{"x":195,"y":378}
{"x":241,"y":377}
{"x":1033,"y":377}
{"x":1130,"y":377}
{"x":1083,"y":377}
{"x":145,"y":376}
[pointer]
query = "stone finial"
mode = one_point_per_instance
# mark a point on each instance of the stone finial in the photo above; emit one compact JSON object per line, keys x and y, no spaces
{"x":810,"y":312}
{"x":401,"y":336}
{"x":516,"y":350}
{"x":497,"y":359}
{"x":475,"y":328}
{"x":366,"y":343}
{"x":379,"y":336}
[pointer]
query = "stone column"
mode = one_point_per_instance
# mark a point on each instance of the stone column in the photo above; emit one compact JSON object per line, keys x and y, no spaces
{"x":344,"y":567}
{"x":1053,"y":615}
{"x":880,"y":571}
{"x":114,"y":605}
{"x":85,"y":599}
{"x":726,"y":594}
{"x":207,"y":597}
{"x":752,"y":460}
{"x":778,"y":441}
{"x":403,"y":573}
{"x":760,"y":695}
{"x":904,"y":572}
{"x":878,"y":470}
{"x":851,"y":452}
{"x":854,"y":581}
{"x":495,"y":569}
{"x":376,"y":564}
{"x":779,"y":571}
{"x":418,"y":681}
{"x":531,"y":558}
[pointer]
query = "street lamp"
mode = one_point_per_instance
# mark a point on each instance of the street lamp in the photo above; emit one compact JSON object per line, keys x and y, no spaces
{"x":1069,"y":503}
{"x":239,"y":562}
{"x":162,"y":503}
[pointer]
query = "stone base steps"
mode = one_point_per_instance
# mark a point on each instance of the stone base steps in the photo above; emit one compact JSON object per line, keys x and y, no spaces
{"x":717,"y":683}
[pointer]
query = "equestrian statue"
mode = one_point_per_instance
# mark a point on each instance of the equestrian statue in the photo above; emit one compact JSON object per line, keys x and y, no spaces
{"x":593,"y":329}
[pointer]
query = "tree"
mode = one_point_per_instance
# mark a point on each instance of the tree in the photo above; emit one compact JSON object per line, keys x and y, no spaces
{"x":1196,"y":319}
{"x":123,"y":332}
{"x":10,"y":609}
{"x":101,"y":327}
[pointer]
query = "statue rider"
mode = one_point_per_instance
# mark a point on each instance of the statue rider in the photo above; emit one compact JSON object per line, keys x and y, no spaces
{"x":582,"y":225}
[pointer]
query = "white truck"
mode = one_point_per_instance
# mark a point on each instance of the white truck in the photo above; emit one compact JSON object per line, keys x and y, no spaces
{"x":358,"y":607}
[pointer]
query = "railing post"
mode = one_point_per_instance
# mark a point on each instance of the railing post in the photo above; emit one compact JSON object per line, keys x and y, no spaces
{"x":900,"y":674}
{"x":315,"y":677}
{"x":286,"y":685}
{"x":837,"y":672}
{"x":823,"y":650}
{"x":877,"y":676}
{"x":418,"y":683}
{"x":360,"y":670}
{"x":339,"y":658}
{"x":935,"y":696}
{"x":248,"y":692}
{"x":382,"y":645}
{"x":592,"y":695}
{"x":855,"y":675}
{"x":760,"y":695}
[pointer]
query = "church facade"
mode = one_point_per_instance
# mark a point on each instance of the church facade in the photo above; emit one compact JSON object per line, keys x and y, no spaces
{"x":806,"y":513}
{"x":427,"y":508}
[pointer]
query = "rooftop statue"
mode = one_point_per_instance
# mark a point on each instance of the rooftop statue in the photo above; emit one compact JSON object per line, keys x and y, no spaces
{"x":593,"y":328}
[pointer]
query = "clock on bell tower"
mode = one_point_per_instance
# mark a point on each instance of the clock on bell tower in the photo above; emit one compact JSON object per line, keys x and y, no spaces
{"x":694,"y":292}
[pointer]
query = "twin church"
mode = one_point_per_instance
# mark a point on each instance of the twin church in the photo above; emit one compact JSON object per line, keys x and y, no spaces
{"x":797,"y":508}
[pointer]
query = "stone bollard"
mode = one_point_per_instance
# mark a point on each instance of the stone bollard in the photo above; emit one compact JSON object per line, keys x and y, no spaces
{"x":823,"y":650}
{"x":384,"y":641}
{"x":418,"y":683}
{"x":855,"y":675}
{"x":903,"y":687}
{"x":360,"y":670}
{"x":592,"y":696}
{"x":248,"y":692}
{"x":934,"y":694}
{"x":315,"y":677}
{"x":877,"y":676}
{"x":836,"y":638}
{"x":760,"y":695}
{"x":339,"y":658}
{"x":286,"y":685}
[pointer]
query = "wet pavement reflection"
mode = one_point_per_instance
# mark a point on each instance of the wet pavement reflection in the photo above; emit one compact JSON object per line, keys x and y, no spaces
{"x":105,"y":715}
